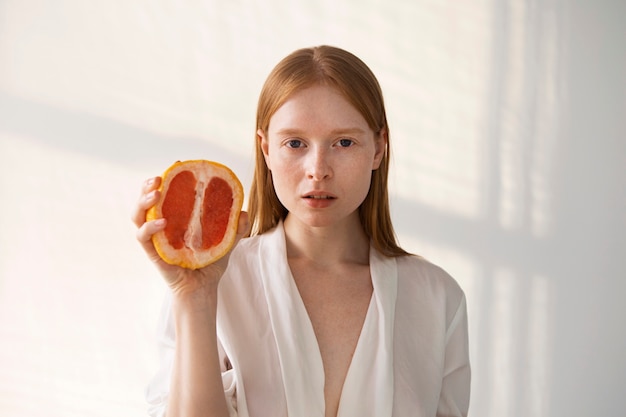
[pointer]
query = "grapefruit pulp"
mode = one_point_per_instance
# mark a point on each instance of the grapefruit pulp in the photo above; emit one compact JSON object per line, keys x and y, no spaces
{"x":201,"y":201}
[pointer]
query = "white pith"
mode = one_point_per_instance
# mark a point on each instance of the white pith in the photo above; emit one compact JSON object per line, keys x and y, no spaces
{"x":193,"y":235}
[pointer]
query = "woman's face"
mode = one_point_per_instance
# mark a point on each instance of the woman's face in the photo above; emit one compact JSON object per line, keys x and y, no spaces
{"x":321,"y":153}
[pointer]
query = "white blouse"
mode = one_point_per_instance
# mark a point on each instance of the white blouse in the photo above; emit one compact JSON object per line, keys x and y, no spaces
{"x":411,"y":359}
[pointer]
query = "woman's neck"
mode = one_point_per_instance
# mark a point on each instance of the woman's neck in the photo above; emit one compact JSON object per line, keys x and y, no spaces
{"x":340,"y":243}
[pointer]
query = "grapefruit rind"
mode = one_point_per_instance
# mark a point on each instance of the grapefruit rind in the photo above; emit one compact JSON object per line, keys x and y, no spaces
{"x":189,"y":257}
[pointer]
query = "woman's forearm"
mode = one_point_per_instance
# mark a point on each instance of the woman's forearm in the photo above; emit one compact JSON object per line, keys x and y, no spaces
{"x":197,"y":388}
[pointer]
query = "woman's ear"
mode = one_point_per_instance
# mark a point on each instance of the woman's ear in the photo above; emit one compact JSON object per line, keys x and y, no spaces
{"x":264,"y":144}
{"x":380,"y":143}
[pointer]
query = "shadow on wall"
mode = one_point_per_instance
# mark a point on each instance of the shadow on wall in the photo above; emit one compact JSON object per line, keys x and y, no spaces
{"x":545,"y":246}
{"x":111,"y":141}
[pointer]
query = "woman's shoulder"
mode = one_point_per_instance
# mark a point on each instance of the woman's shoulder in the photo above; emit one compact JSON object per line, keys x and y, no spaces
{"x":253,"y":250}
{"x":418,"y":273}
{"x":248,"y":263}
{"x":249,"y":246}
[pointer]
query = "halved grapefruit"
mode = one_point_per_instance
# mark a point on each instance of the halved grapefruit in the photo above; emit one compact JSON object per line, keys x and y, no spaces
{"x":201,"y":201}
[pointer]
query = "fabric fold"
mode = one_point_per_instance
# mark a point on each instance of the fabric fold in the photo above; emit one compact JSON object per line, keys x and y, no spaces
{"x":301,"y":363}
{"x":371,"y":370}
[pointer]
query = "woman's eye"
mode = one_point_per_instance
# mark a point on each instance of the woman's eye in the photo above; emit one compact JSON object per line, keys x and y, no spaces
{"x":294,"y":143}
{"x":345,"y":142}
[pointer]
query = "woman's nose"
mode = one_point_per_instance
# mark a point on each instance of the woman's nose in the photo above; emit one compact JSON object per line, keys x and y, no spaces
{"x":318,"y":165}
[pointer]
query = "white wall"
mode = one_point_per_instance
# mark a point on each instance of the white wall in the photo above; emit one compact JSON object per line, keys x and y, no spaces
{"x":507,"y":122}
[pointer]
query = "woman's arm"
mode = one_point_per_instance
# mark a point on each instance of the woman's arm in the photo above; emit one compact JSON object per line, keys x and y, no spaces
{"x":455,"y":388}
{"x":196,"y":385}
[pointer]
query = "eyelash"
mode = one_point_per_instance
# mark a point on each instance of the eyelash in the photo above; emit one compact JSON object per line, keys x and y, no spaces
{"x":297,"y":143}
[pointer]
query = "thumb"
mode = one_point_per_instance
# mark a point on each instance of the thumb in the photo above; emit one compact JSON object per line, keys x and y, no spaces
{"x":243,"y":226}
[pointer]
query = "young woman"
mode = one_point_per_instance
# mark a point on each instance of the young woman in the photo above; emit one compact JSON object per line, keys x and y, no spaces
{"x":318,"y":311}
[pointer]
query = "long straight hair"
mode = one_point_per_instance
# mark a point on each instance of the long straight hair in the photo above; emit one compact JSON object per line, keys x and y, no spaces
{"x":351,"y":77}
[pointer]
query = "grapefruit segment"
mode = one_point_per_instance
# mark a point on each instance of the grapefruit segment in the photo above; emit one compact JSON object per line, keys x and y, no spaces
{"x":201,"y":201}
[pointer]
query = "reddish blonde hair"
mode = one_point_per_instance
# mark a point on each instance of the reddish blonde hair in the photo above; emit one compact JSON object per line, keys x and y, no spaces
{"x":350,"y":76}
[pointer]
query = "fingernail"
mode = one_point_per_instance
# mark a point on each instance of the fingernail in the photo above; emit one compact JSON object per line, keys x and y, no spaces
{"x":160,"y":222}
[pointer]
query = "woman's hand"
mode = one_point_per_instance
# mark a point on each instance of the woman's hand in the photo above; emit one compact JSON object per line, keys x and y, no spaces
{"x":196,"y":375}
{"x":182,"y":281}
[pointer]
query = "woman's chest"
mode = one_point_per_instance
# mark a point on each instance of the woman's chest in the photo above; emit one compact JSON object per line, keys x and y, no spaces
{"x":337,"y":307}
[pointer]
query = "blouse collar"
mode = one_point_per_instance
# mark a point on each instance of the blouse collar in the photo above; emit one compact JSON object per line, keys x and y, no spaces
{"x":368,"y":388}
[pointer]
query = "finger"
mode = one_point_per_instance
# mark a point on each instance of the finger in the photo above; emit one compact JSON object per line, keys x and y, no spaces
{"x":147,"y":199}
{"x":151,"y":184}
{"x":144,"y":236}
{"x":146,"y":231}
{"x":244,"y":225}
{"x":147,"y":187}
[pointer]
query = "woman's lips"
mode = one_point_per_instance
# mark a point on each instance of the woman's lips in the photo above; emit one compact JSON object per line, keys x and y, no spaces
{"x":319,"y":199}
{"x":319,"y":195}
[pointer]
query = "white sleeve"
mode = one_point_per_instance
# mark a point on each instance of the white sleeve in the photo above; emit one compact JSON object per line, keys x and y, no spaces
{"x":455,"y":389}
{"x":157,"y":391}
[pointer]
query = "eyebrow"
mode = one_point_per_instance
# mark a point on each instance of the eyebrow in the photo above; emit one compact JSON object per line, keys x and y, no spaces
{"x":341,"y":131}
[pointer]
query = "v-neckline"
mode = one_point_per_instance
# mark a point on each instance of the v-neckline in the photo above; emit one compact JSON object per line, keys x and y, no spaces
{"x":298,"y":349}
{"x":307,"y":323}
